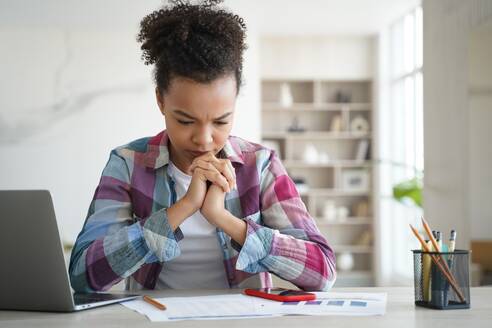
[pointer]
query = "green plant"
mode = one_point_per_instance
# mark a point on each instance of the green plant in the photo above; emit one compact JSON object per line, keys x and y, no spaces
{"x":409,"y":190}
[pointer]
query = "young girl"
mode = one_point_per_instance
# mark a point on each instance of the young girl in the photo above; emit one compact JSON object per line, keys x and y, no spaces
{"x":194,"y":207}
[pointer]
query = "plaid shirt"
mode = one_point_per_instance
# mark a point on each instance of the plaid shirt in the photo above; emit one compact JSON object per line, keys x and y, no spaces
{"x":127,"y":235}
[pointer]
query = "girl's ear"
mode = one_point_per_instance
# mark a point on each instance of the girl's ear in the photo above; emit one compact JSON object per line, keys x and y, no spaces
{"x":160,"y":100}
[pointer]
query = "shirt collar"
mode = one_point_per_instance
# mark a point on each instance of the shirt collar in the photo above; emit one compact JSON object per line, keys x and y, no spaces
{"x":157,"y":153}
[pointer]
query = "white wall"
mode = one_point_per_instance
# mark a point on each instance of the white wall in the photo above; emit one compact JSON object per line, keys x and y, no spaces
{"x":448,"y":137}
{"x":322,"y":57}
{"x":70,"y":92}
{"x":480,"y":132}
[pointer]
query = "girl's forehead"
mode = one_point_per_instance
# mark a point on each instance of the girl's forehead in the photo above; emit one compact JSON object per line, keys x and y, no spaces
{"x":202,"y":99}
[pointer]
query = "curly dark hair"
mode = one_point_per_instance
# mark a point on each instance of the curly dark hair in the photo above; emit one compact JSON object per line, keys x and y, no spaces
{"x":198,"y":41}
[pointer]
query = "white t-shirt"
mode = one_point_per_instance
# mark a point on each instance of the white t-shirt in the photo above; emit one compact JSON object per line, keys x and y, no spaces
{"x":201,"y":263}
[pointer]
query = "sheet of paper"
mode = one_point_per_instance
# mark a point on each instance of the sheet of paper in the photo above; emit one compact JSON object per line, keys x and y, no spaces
{"x":239,"y":306}
{"x":217,"y":307}
{"x":330,"y":303}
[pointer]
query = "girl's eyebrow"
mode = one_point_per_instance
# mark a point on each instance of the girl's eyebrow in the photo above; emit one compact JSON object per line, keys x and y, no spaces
{"x":180,"y":112}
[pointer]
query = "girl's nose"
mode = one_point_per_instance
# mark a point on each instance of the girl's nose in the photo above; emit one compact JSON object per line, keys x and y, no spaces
{"x":203,"y":137}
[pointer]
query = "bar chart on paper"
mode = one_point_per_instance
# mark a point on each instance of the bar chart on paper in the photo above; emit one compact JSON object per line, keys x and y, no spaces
{"x":328,"y":303}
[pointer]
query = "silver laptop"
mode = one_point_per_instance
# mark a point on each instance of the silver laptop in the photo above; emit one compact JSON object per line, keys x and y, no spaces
{"x":33,"y":275}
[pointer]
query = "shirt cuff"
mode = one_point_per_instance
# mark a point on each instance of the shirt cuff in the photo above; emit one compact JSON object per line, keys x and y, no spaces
{"x":160,"y":237}
{"x":257,"y":246}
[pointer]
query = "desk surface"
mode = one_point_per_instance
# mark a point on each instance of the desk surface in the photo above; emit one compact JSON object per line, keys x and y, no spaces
{"x":400,"y":312}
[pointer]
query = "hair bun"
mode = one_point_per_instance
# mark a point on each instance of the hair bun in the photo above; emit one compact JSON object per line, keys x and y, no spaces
{"x":198,"y":41}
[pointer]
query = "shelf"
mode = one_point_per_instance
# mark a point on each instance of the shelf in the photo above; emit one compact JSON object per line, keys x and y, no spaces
{"x":333,"y":192}
{"x":352,"y":249}
{"x":306,"y":107}
{"x":337,"y":163}
{"x":320,"y":221}
{"x":314,"y":135}
{"x":319,"y":107}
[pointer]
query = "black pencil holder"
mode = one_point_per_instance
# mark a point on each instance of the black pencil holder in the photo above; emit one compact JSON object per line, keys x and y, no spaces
{"x":433,"y":288}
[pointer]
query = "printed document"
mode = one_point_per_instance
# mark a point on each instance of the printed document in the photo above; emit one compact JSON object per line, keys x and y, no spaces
{"x":238,"y":306}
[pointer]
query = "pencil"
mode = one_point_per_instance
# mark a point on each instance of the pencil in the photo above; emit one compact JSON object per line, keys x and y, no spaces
{"x":440,"y":266}
{"x":152,"y":301}
{"x":426,"y":271}
{"x":437,"y":248}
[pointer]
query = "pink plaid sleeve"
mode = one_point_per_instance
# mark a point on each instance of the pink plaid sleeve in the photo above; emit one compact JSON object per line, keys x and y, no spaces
{"x":283,"y":238}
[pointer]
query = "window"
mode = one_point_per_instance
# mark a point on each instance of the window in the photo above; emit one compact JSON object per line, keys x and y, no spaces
{"x":401,"y":152}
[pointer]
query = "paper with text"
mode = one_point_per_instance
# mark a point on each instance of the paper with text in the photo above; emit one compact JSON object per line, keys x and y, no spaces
{"x":238,"y":306}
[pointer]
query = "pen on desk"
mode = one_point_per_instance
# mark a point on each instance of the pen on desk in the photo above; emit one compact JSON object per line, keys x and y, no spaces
{"x":439,"y":240}
{"x":452,"y":240}
{"x":152,"y":301}
{"x":452,"y":245}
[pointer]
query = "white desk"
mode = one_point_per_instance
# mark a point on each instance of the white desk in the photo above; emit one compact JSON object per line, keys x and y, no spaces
{"x":400,"y":312}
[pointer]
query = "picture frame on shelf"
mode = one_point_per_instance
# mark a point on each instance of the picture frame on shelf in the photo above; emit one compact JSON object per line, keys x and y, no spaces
{"x":355,"y":180}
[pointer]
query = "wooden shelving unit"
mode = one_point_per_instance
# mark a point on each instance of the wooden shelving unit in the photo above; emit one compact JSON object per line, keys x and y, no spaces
{"x":317,"y":116}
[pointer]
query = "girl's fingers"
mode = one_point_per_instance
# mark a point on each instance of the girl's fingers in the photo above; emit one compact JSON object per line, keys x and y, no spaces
{"x":224,"y":166}
{"x":233,"y":171}
{"x":218,"y":179}
{"x":214,"y":176}
{"x":202,"y":164}
{"x":226,"y":171}
{"x":208,"y":157}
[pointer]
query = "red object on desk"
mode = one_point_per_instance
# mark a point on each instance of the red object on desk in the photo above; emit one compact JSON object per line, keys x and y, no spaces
{"x":281,"y":294}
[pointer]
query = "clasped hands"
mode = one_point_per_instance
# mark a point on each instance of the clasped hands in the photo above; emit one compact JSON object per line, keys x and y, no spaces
{"x":210,"y":199}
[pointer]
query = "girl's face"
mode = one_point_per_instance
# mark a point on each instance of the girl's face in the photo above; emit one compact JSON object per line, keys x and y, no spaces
{"x":198,"y":117}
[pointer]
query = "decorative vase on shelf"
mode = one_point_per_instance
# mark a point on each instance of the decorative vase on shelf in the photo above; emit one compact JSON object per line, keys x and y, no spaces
{"x":342,"y":213}
{"x":345,"y":261}
{"x":343,"y":96}
{"x":295,"y":126}
{"x":361,"y":209}
{"x":286,"y":99}
{"x":359,"y":125}
{"x":336,"y":123}
{"x":329,"y":211}
{"x":310,"y":154}
{"x":364,"y":239}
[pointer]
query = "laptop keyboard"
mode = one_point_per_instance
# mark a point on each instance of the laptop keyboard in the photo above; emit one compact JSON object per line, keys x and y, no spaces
{"x":96,"y":297}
